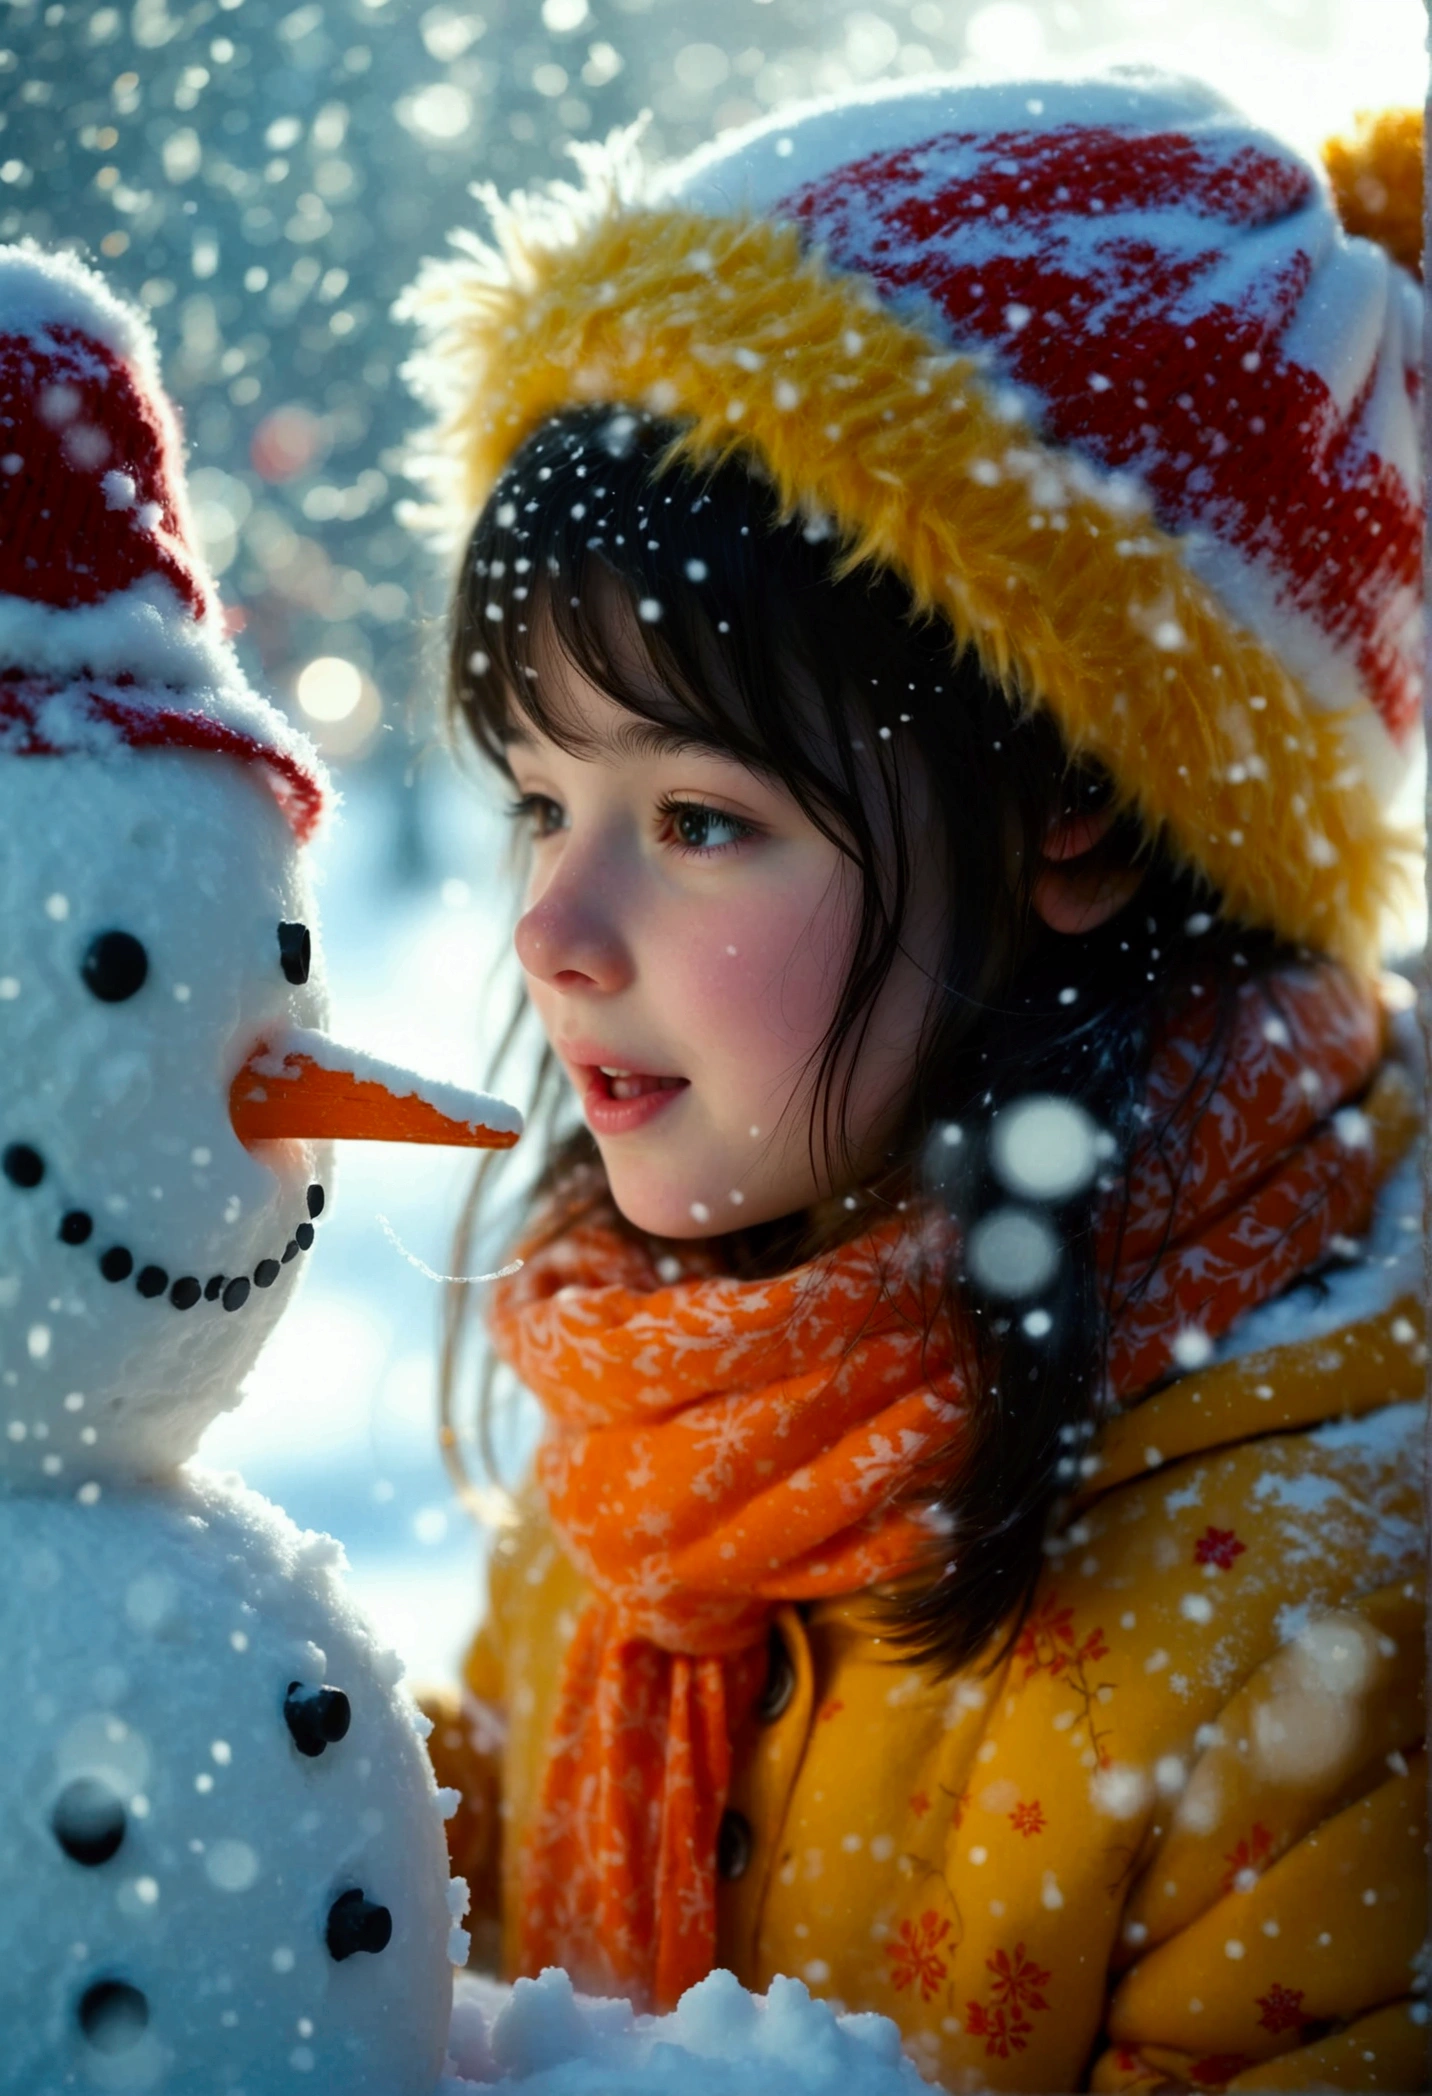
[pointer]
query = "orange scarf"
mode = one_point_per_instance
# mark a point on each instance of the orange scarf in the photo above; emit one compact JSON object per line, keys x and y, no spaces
{"x":717,"y":1446}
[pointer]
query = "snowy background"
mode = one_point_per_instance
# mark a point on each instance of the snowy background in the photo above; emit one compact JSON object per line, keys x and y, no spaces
{"x":262,"y":177}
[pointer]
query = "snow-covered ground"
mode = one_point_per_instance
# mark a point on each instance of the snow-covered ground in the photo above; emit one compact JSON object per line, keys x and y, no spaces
{"x":719,"y":2041}
{"x":339,"y":1423}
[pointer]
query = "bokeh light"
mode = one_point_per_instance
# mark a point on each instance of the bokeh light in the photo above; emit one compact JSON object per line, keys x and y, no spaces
{"x":339,"y":706}
{"x":329,"y":689}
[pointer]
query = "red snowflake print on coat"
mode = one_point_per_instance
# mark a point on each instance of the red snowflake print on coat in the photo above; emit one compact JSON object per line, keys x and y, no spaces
{"x":914,"y":1955}
{"x":1218,"y":1546}
{"x":1048,"y":1644}
{"x":1282,"y":2008}
{"x":1028,"y":1817}
{"x":829,"y":1710}
{"x":1017,"y":1980}
{"x":1003,"y":2032}
{"x":1246,"y":1858}
{"x":1003,"y":2021}
{"x":919,"y":1803}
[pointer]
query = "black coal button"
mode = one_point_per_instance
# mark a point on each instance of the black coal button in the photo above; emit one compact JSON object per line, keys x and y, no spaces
{"x":186,"y":1292}
{"x":236,"y":1293}
{"x":89,"y":1821}
{"x":266,"y":1273}
{"x":357,"y":1923}
{"x":152,"y":1280}
{"x":113,"y":2015}
{"x":315,"y":1201}
{"x":116,"y":1264}
{"x":76,"y":1227}
{"x":317,"y":1717}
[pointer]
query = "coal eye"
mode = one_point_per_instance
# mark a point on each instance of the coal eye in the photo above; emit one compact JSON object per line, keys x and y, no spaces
{"x":114,"y":967}
{"x":295,"y":952}
{"x":89,"y":1821}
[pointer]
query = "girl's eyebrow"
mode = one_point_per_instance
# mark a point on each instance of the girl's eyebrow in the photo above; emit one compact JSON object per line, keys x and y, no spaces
{"x":636,"y":738}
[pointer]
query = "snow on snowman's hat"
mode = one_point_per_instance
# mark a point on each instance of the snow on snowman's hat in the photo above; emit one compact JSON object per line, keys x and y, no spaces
{"x":110,"y":628}
{"x":1093,"y":365}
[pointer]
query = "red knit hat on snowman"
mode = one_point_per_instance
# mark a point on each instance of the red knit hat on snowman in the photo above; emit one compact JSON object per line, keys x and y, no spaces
{"x":1092,"y":364}
{"x":110,"y":630}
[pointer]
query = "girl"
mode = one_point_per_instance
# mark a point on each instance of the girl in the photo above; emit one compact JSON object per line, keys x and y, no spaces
{"x":943,"y":597}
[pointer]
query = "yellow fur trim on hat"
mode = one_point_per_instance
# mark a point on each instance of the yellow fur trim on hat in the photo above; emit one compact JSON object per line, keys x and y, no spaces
{"x":1376,"y":176}
{"x":1073,"y":597}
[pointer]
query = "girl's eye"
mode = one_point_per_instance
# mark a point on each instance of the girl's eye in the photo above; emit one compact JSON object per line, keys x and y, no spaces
{"x":544,"y":815}
{"x":704,"y":829}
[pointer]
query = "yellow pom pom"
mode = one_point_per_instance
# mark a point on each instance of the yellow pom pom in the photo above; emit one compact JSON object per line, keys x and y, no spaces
{"x":1376,"y":174}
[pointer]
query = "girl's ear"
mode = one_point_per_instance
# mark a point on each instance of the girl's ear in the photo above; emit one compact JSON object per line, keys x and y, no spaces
{"x":1078,"y":887}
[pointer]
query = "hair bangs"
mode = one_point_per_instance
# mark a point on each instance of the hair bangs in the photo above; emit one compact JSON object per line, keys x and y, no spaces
{"x":657,"y":586}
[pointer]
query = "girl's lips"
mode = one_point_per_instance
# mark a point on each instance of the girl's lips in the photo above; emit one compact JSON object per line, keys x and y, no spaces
{"x":607,"y":1114}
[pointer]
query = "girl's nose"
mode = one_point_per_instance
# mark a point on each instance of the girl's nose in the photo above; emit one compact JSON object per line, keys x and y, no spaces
{"x":569,"y":937}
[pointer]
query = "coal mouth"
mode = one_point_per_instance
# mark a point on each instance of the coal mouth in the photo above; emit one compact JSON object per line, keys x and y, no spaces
{"x":25,"y":1169}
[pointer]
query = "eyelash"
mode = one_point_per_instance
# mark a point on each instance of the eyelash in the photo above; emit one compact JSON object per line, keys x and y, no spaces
{"x":671,"y":807}
{"x":527,"y":807}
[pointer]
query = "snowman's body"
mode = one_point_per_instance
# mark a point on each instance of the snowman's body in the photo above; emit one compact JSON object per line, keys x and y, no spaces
{"x":222,"y":1864}
{"x":171,"y":1857}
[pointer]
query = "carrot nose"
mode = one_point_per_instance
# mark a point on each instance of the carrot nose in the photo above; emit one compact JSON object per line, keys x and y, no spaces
{"x":302,"y":1084}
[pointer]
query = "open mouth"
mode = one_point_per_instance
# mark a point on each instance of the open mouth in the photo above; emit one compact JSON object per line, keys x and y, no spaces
{"x":632,"y":1084}
{"x":24,"y":1167}
{"x":618,"y":1101}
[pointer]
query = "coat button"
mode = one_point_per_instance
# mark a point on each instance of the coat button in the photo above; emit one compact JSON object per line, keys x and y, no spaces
{"x":780,"y":1685}
{"x":733,"y":1845}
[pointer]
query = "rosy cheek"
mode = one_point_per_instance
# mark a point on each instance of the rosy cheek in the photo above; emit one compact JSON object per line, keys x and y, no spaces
{"x":759,"y":976}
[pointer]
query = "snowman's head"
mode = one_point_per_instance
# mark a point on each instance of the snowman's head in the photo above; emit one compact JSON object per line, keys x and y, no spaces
{"x":151,"y":809}
{"x":156,"y":927}
{"x":164,"y":1088}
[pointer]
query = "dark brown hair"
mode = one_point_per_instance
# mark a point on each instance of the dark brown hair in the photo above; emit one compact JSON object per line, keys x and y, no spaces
{"x":758,"y":637}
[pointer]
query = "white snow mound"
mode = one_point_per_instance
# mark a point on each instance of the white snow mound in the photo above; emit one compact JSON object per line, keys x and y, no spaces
{"x":543,"y":2037}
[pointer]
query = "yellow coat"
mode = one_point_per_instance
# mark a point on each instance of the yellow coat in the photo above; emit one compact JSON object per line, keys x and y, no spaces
{"x":1175,"y":1838}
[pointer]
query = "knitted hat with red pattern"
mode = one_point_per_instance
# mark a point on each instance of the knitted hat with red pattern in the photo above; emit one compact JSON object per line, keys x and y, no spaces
{"x":1092,"y":364}
{"x":110,"y":629}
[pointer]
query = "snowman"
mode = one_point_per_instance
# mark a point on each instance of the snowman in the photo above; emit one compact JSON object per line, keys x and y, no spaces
{"x":222,"y":1864}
